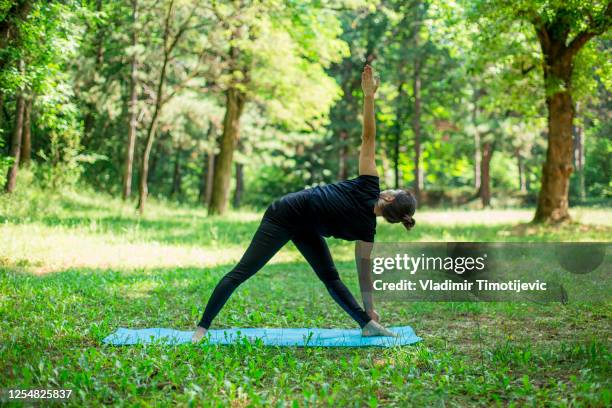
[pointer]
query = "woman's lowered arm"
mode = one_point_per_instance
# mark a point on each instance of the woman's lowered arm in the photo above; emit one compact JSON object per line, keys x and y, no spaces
{"x":367,"y":152}
{"x":363,"y":251}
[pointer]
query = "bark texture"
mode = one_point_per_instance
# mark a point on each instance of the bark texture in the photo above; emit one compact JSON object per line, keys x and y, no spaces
{"x":239,"y":185}
{"x":559,"y":53}
{"x":235,"y":101}
{"x":26,"y":142}
{"x":416,"y":119}
{"x":132,"y":113}
{"x":485,"y":174}
{"x":522,"y":180}
{"x":208,"y":167}
{"x":11,"y":179}
{"x":176,"y":173}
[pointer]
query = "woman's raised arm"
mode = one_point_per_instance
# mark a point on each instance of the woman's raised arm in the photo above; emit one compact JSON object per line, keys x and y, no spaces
{"x":367,"y":152}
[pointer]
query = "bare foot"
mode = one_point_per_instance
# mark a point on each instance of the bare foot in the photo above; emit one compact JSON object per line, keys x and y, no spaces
{"x":198,"y":334}
{"x":376,"y":329}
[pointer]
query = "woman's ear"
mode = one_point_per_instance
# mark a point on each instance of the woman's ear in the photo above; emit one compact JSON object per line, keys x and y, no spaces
{"x":388,"y":198}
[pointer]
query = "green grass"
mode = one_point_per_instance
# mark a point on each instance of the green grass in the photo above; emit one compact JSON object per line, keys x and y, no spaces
{"x":75,"y":266}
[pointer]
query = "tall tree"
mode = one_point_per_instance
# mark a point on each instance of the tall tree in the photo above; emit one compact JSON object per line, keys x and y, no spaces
{"x":12,"y":14}
{"x":416,"y":94}
{"x":26,"y":145}
{"x":133,"y":106}
{"x":563,"y":29}
{"x":235,"y":101}
{"x":208,"y":165}
{"x":554,"y":27}
{"x":171,"y":38}
{"x":485,"y":173}
{"x":176,"y":173}
{"x":291,"y":71}
{"x":579,"y":157}
{"x":11,"y":178}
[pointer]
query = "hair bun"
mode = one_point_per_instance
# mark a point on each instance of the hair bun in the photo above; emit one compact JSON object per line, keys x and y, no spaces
{"x":408,"y":221}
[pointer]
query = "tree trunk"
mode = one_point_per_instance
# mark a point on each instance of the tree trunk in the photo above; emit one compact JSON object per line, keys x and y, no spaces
{"x":399,"y":119}
{"x":342,"y":159}
{"x":558,"y":65}
{"x":169,"y":44}
{"x":89,"y":119}
{"x":522,"y":181}
{"x":477,"y":153}
{"x":26,"y":137}
{"x":396,"y":156}
{"x":204,"y":184}
{"x":477,"y":161}
{"x":156,"y":153}
{"x":131,"y":142}
{"x":553,"y":198}
{"x":579,"y":158}
{"x":210,"y":176}
{"x":8,"y":24}
{"x":239,"y":185}
{"x":416,"y":119}
{"x":144,"y":165}
{"x":235,"y":101}
{"x":1,"y":109}
{"x":151,"y":130}
{"x":208,"y":167}
{"x":11,"y":178}
{"x":485,"y":182}
{"x":176,"y":175}
{"x":416,"y":128}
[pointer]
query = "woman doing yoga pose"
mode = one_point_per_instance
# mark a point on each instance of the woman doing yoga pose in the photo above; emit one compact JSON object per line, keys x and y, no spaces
{"x":345,"y":210}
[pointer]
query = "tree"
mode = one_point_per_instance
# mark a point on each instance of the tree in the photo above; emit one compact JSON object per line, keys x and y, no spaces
{"x":266,"y":57}
{"x":562,"y":28}
{"x":559,"y":51}
{"x":11,"y":178}
{"x":171,"y":38}
{"x":133,"y":107}
{"x":12,"y":14}
{"x":26,"y":145}
{"x":416,"y":95}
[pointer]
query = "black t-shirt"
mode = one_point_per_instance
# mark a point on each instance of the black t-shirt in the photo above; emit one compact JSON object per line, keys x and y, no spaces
{"x":345,"y":210}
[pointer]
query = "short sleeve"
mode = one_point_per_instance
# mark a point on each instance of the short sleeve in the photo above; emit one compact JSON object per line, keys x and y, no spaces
{"x":369,"y":238}
{"x":369,"y":185}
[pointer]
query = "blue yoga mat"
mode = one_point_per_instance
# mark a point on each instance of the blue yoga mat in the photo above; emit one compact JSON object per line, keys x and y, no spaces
{"x":268,"y":336}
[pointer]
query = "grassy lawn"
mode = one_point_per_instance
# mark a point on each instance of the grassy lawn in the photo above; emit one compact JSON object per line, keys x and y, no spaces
{"x":75,"y":267}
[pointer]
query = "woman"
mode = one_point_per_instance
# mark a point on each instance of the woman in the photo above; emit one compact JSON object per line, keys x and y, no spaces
{"x":345,"y":210}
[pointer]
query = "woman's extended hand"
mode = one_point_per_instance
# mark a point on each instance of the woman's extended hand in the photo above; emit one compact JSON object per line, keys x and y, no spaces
{"x":369,"y":83}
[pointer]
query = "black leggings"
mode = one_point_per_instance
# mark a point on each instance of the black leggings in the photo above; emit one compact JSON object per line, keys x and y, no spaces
{"x":270,"y":237}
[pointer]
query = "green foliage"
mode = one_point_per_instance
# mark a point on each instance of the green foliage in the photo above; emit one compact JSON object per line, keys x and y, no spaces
{"x":598,"y":174}
{"x":5,"y":162}
{"x":298,"y":64}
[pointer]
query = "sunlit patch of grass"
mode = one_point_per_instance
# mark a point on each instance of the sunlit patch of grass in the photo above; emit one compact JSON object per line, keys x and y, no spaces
{"x":139,"y":289}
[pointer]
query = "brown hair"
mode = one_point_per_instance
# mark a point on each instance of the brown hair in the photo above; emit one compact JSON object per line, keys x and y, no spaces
{"x":401,"y":209}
